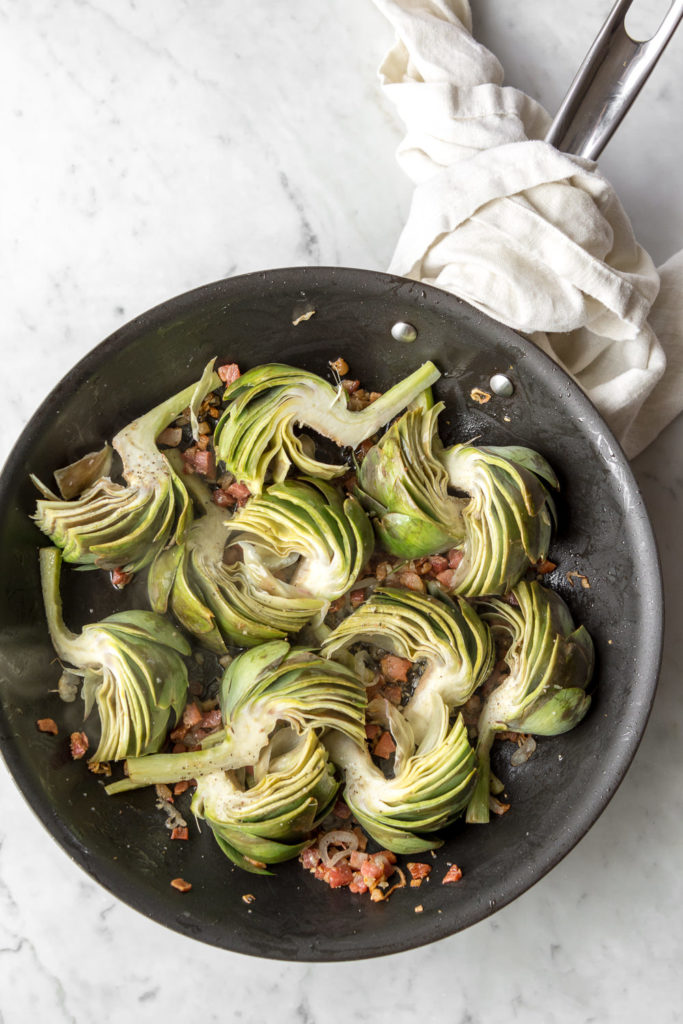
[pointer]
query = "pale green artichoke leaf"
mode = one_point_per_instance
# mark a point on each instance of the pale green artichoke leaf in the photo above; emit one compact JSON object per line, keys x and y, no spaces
{"x":236,"y":857}
{"x":411,"y":536}
{"x":206,"y":384}
{"x":161,"y":577}
{"x":266,"y":851}
{"x":144,"y":624}
{"x":92,"y":680}
{"x":75,"y":478}
{"x":190,"y":609}
{"x":391,"y":837}
{"x":508,"y":519}
{"x":528,"y":459}
{"x":382,"y":712}
{"x":244,"y":672}
{"x":563,"y":710}
{"x":424,"y":401}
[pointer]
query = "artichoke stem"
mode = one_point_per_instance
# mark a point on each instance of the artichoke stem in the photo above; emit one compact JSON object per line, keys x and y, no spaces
{"x":139,"y":437}
{"x":351,"y":428}
{"x":50,"y":572}
{"x":478,"y":812}
{"x":157,"y":768}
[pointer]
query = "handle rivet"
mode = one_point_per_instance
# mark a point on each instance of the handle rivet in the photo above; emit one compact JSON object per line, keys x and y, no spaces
{"x":502,"y":385}
{"x":403,"y":332}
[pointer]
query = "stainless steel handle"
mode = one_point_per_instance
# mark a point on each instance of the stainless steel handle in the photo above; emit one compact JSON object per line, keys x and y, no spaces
{"x":611,"y":76}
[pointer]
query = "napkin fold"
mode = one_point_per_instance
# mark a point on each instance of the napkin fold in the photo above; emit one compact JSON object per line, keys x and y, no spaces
{"x":534,"y":237}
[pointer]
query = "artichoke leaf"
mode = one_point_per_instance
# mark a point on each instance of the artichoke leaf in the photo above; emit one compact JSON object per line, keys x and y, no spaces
{"x":508,"y":519}
{"x":75,"y":478}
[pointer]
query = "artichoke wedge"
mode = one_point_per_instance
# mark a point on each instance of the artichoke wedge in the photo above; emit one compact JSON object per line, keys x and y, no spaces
{"x":430,"y":789}
{"x":112,"y":526}
{"x":551,"y":664}
{"x":502,"y":525}
{"x":404,"y":485}
{"x":448,"y":635}
{"x":265,"y":685}
{"x":242,"y":604}
{"x":304,"y":528}
{"x":310,"y":518}
{"x":131,"y":668}
{"x":508,"y":519}
{"x":271,"y":820}
{"x":256,"y":435}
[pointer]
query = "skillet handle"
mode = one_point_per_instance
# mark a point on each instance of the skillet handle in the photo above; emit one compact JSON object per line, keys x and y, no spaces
{"x":611,"y":76}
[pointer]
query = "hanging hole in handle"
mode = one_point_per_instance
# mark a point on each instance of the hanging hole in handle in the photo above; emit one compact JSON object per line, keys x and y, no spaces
{"x":644,"y":17}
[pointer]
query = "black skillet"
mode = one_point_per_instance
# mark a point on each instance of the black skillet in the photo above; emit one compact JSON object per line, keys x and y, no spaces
{"x":603,"y":534}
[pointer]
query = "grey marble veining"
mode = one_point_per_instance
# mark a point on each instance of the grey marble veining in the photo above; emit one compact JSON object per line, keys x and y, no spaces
{"x":149,"y":148}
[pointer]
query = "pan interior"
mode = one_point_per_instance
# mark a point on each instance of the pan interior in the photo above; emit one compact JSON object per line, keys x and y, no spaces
{"x":604,"y":534}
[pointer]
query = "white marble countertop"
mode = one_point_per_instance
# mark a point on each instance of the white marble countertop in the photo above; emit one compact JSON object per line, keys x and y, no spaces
{"x":149,"y":148}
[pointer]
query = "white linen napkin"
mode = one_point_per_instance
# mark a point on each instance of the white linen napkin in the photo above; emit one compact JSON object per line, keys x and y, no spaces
{"x":535,"y":238}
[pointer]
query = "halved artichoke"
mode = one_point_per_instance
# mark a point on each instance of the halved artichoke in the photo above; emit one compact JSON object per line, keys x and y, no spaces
{"x":430,"y":789}
{"x":508,"y":519}
{"x":305,"y":527}
{"x":404,"y":485}
{"x":448,"y":634}
{"x":131,"y":668}
{"x":111,"y":526}
{"x":242,"y":604}
{"x":551,"y":664}
{"x":269,"y":816}
{"x":265,"y":685}
{"x":502,"y":527}
{"x":256,"y":434}
{"x":309,"y":518}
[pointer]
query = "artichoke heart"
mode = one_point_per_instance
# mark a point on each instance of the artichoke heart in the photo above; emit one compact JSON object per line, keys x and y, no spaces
{"x":430,"y":789}
{"x":255,"y":436}
{"x":271,"y":820}
{"x":448,"y":634}
{"x":131,"y":668}
{"x":112,"y":526}
{"x":550,"y":665}
{"x":262,"y":687}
